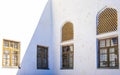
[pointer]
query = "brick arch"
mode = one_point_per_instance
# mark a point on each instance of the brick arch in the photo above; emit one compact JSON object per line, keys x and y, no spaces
{"x":107,"y":21}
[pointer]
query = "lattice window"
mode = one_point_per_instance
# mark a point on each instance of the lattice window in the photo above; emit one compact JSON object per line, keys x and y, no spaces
{"x":107,"y":21}
{"x":11,"y":53}
{"x":108,"y":53}
{"x":67,"y":57}
{"x":67,"y":32}
{"x":42,"y":57}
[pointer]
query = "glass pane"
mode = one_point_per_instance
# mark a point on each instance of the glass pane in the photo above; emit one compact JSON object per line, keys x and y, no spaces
{"x":64,"y":56}
{"x":6,"y":62}
{"x":71,"y":65}
{"x":65,"y":62}
{"x":38,"y":51}
{"x":113,"y":41}
{"x":38,"y":60}
{"x":71,"y":60}
{"x":14,"y":52}
{"x":14,"y":57}
{"x":103,"y":57}
{"x":6,"y":44}
{"x":112,"y":64}
{"x":44,"y":61}
{"x":16,"y":45}
{"x":6,"y":51}
{"x":65,"y":49}
{"x":70,"y":54}
{"x":68,"y":48}
{"x":113,"y":57}
{"x":38,"y":48}
{"x":71,"y":48}
{"x":6,"y":56}
{"x":14,"y":63}
{"x":102,"y":43}
{"x":103,"y":64}
{"x":108,"y":42}
{"x":112,"y":50}
{"x":11,"y":44}
{"x":103,"y":51}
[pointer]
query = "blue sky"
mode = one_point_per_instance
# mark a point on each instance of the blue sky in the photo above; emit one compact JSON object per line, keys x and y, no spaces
{"x":20,"y":14}
{"x":18,"y":20}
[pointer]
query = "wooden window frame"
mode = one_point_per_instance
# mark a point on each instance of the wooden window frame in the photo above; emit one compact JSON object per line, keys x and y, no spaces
{"x":41,"y":57}
{"x":12,"y":56}
{"x":108,"y":54}
{"x":67,"y":64}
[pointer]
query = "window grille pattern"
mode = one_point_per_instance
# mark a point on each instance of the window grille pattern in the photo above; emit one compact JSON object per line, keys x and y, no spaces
{"x":42,"y":57}
{"x":108,"y":53}
{"x":107,"y":21}
{"x":67,"y":57}
{"x":67,"y":32}
{"x":11,"y":53}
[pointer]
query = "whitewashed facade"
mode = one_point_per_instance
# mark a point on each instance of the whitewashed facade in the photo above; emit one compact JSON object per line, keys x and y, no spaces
{"x":83,"y":14}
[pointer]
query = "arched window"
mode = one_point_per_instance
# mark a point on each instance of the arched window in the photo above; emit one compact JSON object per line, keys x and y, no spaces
{"x":108,"y":55}
{"x":67,"y":49}
{"x":67,"y":31}
{"x":107,"y":21}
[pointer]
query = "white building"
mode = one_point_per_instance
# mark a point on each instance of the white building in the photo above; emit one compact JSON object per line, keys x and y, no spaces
{"x":75,"y":37}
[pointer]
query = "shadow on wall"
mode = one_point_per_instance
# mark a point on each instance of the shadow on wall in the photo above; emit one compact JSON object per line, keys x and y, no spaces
{"x":41,"y":36}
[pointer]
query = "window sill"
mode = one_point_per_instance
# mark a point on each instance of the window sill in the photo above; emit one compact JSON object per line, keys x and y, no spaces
{"x":66,"y":68}
{"x":108,"y":68}
{"x":43,"y":69}
{"x":11,"y":67}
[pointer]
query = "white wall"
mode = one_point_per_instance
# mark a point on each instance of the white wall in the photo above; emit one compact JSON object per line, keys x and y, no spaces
{"x":18,"y":20}
{"x":42,"y":36}
{"x":82,"y":13}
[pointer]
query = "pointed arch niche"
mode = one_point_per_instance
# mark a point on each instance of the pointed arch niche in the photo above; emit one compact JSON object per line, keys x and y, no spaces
{"x":107,"y":21}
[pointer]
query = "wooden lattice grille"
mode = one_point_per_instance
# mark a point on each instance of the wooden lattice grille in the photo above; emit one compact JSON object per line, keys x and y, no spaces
{"x":107,"y":21}
{"x":67,"y":32}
